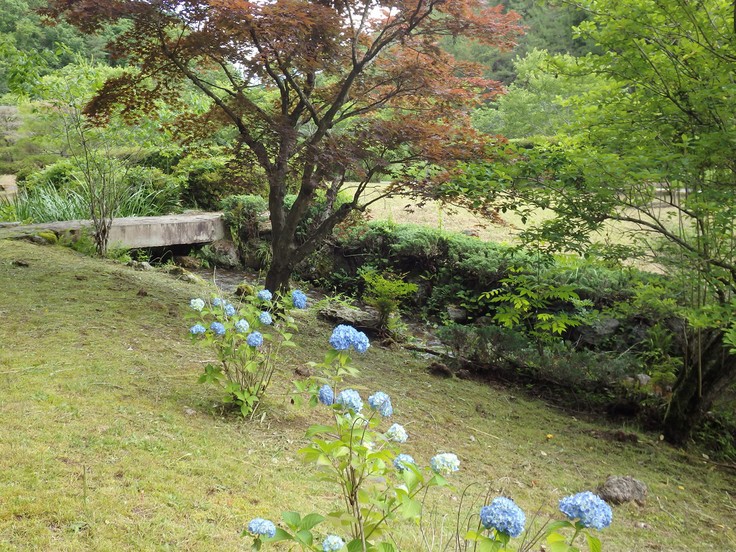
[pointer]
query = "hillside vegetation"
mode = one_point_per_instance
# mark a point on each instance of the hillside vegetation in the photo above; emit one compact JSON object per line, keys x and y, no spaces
{"x":108,"y":442}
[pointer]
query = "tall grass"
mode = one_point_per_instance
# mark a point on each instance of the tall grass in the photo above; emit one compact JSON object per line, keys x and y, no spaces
{"x":46,"y":203}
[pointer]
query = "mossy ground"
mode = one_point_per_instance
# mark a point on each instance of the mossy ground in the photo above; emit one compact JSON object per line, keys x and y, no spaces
{"x":108,"y":443}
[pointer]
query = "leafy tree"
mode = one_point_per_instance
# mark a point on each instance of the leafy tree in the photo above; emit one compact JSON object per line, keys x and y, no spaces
{"x":549,"y":27}
{"x":317,"y":91}
{"x":29,"y":48}
{"x":537,"y":103}
{"x":653,"y":149}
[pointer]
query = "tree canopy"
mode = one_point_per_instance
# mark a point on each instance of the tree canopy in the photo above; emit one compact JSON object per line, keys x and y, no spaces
{"x":319,"y":91}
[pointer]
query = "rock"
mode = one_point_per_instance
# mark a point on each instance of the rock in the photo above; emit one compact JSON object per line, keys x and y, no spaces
{"x":464,"y":374}
{"x":457,"y":314}
{"x":136,"y":265}
{"x":303,"y":371}
{"x":175,"y":270}
{"x":599,"y":330}
{"x":472,"y":233}
{"x":245,"y":290}
{"x":440,"y":370}
{"x":621,"y":489}
{"x":142,"y":292}
{"x":187,"y":261}
{"x":20,"y":263}
{"x":643,"y":379}
{"x":48,"y":236}
{"x":366,"y":318}
{"x":226,"y":253}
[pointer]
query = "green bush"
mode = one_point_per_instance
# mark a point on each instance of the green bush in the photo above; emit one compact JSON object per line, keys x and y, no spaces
{"x":205,"y":182}
{"x":243,"y":214}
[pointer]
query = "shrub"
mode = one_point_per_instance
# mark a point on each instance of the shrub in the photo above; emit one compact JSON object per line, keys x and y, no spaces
{"x":246,"y":340}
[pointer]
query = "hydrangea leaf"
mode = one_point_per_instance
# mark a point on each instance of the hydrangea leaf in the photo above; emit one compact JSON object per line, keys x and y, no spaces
{"x":292,"y":519}
{"x":594,"y":544}
{"x":310,"y":521}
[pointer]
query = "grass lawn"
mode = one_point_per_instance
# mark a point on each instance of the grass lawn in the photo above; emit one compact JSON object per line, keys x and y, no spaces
{"x":107,"y":443}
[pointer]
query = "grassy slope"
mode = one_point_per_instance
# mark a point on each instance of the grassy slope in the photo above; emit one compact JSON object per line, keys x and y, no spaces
{"x":107,"y":442}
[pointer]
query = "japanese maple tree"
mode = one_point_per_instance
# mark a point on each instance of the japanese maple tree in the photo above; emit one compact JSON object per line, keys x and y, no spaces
{"x":319,"y":91}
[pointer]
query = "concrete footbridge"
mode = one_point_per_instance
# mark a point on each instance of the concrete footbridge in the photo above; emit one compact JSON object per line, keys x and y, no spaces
{"x":137,"y":232}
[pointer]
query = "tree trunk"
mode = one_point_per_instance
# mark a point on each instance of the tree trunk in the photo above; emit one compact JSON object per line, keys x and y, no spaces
{"x":707,"y":370}
{"x":279,"y":272}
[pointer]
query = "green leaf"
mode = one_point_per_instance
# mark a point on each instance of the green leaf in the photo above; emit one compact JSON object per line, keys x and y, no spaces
{"x":386,"y":547}
{"x":310,"y":521}
{"x":292,"y":519}
{"x":318,"y":430}
{"x":280,"y":535}
{"x":355,"y":546}
{"x":305,"y":537}
{"x":594,"y":544}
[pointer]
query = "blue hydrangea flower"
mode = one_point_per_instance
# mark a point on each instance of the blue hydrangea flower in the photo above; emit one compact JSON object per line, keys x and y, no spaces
{"x":265,"y":295}
{"x":299,"y":299}
{"x":402,"y":462}
{"x":381,"y":402}
{"x":197,"y":329}
{"x":217,"y":328}
{"x":197,"y":304}
{"x":326,"y":395}
{"x":361,"y":342}
{"x":590,"y":509}
{"x":217,"y":302}
{"x":229,"y":310}
{"x":343,"y":337}
{"x":445,"y":463}
{"x":350,"y":399}
{"x":262,"y":527}
{"x":265,"y":318}
{"x":242,"y":326}
{"x":504,"y":516}
{"x":255,"y":339}
{"x":397,"y":434}
{"x":332,"y":543}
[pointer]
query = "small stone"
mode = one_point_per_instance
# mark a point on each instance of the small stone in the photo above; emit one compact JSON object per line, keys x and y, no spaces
{"x":303,"y":371}
{"x":464,"y":374}
{"x":142,"y":292}
{"x":643,"y":379}
{"x":189,"y":411}
{"x":457,"y":314}
{"x":440,"y":370}
{"x":187,"y":261}
{"x":621,"y":489}
{"x":20,"y":263}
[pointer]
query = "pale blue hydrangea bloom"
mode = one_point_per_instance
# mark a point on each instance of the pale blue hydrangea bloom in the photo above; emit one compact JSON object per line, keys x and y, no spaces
{"x":397,"y":434}
{"x":242,"y":326}
{"x":403,"y":461}
{"x":217,"y":328}
{"x":265,"y":318}
{"x":326,"y":395}
{"x":262,"y":527}
{"x":265,"y":295}
{"x":229,"y":310}
{"x":299,"y":299}
{"x":197,"y":329}
{"x":504,"y":516}
{"x":343,"y":337}
{"x":197,"y":304}
{"x":381,"y":402}
{"x":445,"y":463}
{"x":350,"y":399}
{"x":255,"y":339}
{"x":332,"y":543}
{"x":217,"y":302}
{"x":361,"y":342}
{"x":590,"y":509}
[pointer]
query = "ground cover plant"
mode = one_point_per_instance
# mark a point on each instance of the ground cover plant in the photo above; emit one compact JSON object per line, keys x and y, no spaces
{"x":108,"y":442}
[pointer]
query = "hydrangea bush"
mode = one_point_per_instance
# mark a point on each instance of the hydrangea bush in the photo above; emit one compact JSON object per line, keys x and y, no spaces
{"x":246,"y":339}
{"x":381,"y":485}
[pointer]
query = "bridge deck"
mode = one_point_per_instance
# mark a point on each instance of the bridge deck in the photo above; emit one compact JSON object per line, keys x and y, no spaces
{"x":140,"y":232}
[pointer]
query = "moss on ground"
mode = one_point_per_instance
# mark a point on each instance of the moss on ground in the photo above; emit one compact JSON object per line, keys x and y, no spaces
{"x":108,"y":442}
